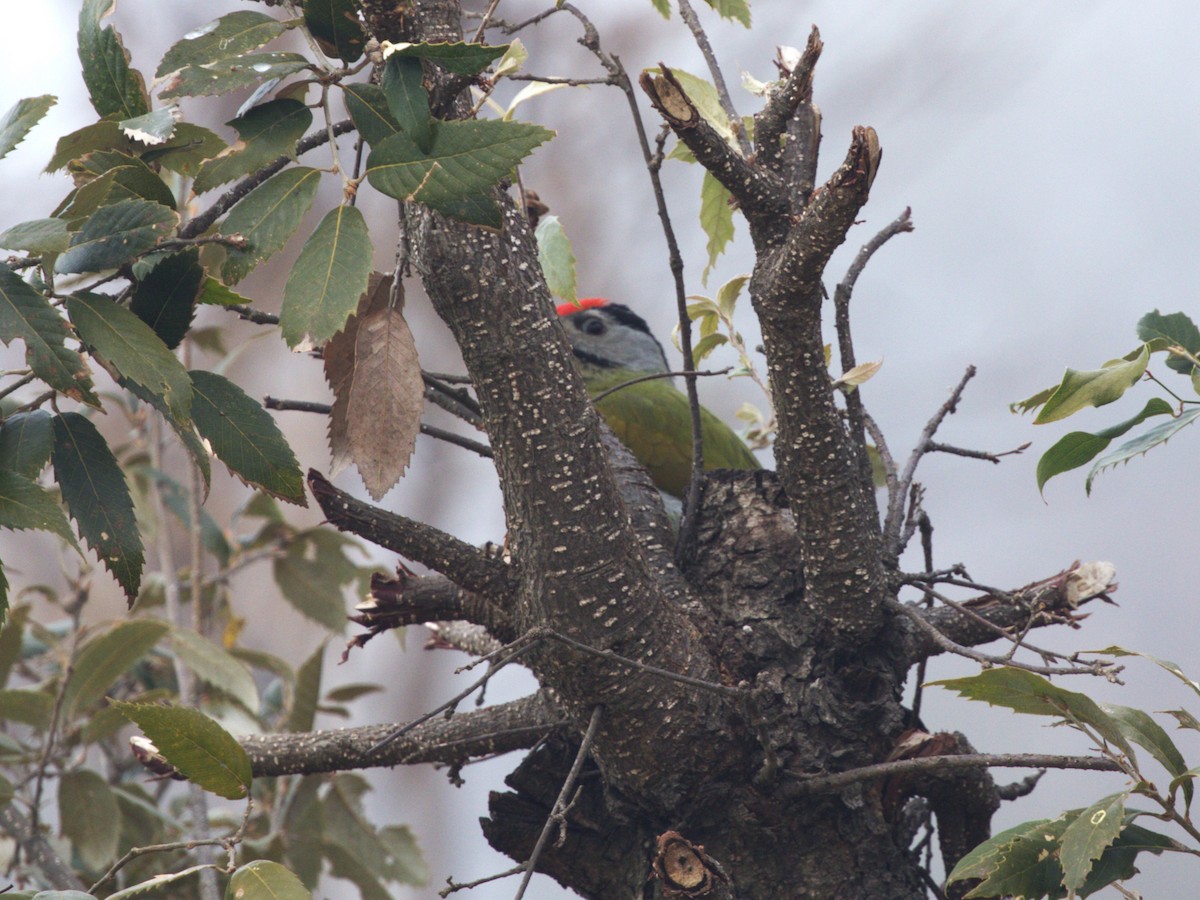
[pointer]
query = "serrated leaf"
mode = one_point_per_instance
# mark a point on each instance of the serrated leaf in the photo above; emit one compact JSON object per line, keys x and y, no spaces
{"x":153,"y":884}
{"x":165,"y":299}
{"x":26,"y":314}
{"x":184,"y":430}
{"x":1096,"y":387}
{"x":25,"y":442}
{"x":230,"y":35}
{"x":132,"y":349}
{"x":460,"y":58}
{"x":407,"y":99}
{"x":328,"y":278}
{"x":187,"y":149}
{"x":232,"y":74}
{"x":131,"y":179}
{"x":116,"y":234}
{"x":1088,"y":836}
{"x":307,"y":693}
{"x":556,"y":258}
{"x":37,"y":236}
{"x":1148,"y":440}
{"x":716,"y":219}
{"x":194,"y":744}
{"x":734,"y":10}
{"x":267,"y":217}
{"x":94,"y":489}
{"x":20,"y":120}
{"x":26,"y":505}
{"x":90,"y":817}
{"x":1165,"y":664}
{"x":406,"y":865}
{"x":313,"y":574}
{"x":728,"y":293}
{"x":373,"y":369}
{"x":334,"y":23}
{"x":1021,"y":861}
{"x":114,"y":87}
{"x":154,"y":128}
{"x":244,"y":436}
{"x":1139,"y":727}
{"x":1175,"y":328}
{"x":103,"y":135}
{"x":465,"y":159}
{"x":217,"y":294}
{"x":266,"y":880}
{"x":1079,"y":447}
{"x":104,"y":659}
{"x":266,"y":132}
{"x":1026,"y":692}
{"x":859,"y":374}
{"x":215,"y":665}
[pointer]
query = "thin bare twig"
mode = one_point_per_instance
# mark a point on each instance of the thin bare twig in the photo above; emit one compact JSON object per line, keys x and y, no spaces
{"x":655,"y":375}
{"x":561,"y":805}
{"x":935,"y":447}
{"x":692,"y":21}
{"x":453,"y":886}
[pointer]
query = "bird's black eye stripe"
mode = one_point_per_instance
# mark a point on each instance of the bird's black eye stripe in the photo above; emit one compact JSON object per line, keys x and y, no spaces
{"x":625,"y":316}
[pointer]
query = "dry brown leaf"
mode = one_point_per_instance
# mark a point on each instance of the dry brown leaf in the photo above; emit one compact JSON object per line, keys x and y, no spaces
{"x":373,"y":369}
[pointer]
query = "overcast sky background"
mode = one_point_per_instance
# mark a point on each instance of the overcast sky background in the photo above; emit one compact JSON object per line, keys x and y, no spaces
{"x":1047,"y":151}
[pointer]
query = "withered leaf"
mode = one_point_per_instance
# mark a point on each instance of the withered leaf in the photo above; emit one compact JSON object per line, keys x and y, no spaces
{"x":373,"y":369}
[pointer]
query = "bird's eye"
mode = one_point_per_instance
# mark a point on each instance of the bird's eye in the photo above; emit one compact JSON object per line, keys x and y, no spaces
{"x":593,"y":326}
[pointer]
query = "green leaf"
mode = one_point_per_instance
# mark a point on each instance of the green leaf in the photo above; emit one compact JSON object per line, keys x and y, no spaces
{"x":1117,"y":863}
{"x":114,"y":87}
{"x":267,"y":217}
{"x":133,"y":180}
{"x":328,"y":278}
{"x":25,"y":442}
{"x":460,"y":58}
{"x":116,"y":234}
{"x":265,"y":880}
{"x":406,"y":864}
{"x":104,"y":659}
{"x":734,"y":10}
{"x":368,"y":109}
{"x":194,"y":744}
{"x":313,"y":575}
{"x":1079,"y":447}
{"x":176,"y":501}
{"x":1175,"y":328}
{"x":1137,"y":725}
{"x":129,"y":346}
{"x":1165,"y":664}
{"x":557,"y":258}
{"x":26,"y":314}
{"x":408,"y":100}
{"x":230,"y":35}
{"x":37,"y":236}
{"x":716,"y":219}
{"x":217,"y":294}
{"x":1184,"y":719}
{"x":1097,"y":387}
{"x":706,"y":100}
{"x":232,"y":74}
{"x":465,"y":159}
{"x":26,"y":505}
{"x":12,"y":633}
{"x":1088,"y":836}
{"x":1160,"y":434}
{"x":152,"y":884}
{"x":1021,"y":861}
{"x":215,"y":665}
{"x":706,"y":345}
{"x":190,"y":146}
{"x":103,"y":135}
{"x":265,"y":132}
{"x":244,"y":436}
{"x":29,"y":707}
{"x":663,"y":7}
{"x":307,"y":694}
{"x":184,"y":430}
{"x":1026,"y":692}
{"x":20,"y":119}
{"x":94,"y":489}
{"x":154,"y":128}
{"x":90,"y":817}
{"x":334,"y":23}
{"x":165,"y":299}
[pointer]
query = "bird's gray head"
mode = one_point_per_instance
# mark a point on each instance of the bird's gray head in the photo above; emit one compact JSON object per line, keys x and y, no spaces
{"x":611,"y":336}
